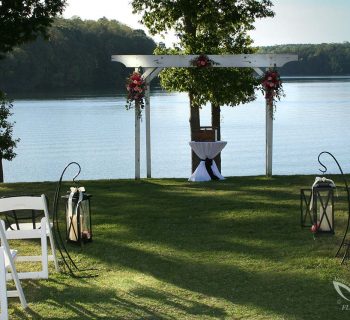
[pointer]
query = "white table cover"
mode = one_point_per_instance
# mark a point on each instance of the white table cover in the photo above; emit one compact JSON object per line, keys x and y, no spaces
{"x":206,"y":150}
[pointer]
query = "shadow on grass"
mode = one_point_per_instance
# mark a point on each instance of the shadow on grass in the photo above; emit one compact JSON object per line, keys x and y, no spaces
{"x":229,"y":241}
{"x":186,"y":306}
{"x":82,"y":302}
{"x":282,"y":292}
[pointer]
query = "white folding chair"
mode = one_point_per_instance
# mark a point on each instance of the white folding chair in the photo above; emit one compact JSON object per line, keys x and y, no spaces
{"x":7,"y":257}
{"x":26,"y":230}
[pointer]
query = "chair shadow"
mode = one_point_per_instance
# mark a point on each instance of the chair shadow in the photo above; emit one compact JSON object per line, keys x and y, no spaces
{"x":92,"y":302}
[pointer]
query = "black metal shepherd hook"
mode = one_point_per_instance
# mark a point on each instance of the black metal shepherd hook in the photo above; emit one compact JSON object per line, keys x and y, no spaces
{"x":67,"y":260}
{"x":60,"y":243}
{"x":344,"y":242}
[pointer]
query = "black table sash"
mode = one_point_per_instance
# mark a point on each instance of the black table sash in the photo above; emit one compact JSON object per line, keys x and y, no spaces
{"x":208,"y":164}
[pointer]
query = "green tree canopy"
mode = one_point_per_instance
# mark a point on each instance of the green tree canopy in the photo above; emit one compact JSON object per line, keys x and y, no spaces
{"x":210,"y":27}
{"x":75,"y":57}
{"x":215,"y":25}
{"x":323,"y":59}
{"x":22,"y":21}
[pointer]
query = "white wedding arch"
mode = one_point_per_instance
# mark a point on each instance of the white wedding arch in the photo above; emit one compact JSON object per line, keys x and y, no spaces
{"x":153,"y":64}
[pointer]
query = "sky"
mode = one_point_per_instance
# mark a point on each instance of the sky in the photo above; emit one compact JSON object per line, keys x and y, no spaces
{"x":296,"y":21}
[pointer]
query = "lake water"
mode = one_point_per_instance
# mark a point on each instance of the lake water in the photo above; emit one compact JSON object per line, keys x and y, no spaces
{"x":98,"y":132}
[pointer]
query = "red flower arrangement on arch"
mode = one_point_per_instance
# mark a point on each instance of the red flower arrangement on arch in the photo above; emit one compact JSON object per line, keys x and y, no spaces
{"x":271,"y":86}
{"x":136,"y":87}
{"x":202,"y":61}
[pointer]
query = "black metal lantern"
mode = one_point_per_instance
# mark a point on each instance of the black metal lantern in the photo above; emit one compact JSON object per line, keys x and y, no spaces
{"x":78,"y":216}
{"x":317,"y":206}
{"x":323,"y":206}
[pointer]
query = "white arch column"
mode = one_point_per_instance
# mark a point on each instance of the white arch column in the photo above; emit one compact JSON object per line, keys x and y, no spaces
{"x":148,"y":76}
{"x":268,"y":133}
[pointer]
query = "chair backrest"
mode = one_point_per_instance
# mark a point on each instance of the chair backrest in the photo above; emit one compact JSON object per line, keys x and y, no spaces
{"x":22,"y":203}
{"x":31,"y":230}
{"x":25,"y":203}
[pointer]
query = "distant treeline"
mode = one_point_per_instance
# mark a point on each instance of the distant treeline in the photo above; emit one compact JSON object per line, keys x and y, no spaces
{"x":326,"y":59}
{"x":77,"y":56}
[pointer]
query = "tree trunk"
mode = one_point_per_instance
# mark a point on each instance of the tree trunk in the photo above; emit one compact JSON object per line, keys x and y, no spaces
{"x":1,"y":171}
{"x":194,"y":125}
{"x":215,"y":123}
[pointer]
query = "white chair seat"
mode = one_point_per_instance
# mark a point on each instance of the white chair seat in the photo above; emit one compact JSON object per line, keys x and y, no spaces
{"x":23,"y":226}
{"x":27,"y":226}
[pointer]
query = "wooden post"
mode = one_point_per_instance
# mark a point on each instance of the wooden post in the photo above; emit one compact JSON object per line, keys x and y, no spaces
{"x":215,"y":123}
{"x":148,"y":130}
{"x":137,"y":140}
{"x":194,"y":126}
{"x":269,"y":138}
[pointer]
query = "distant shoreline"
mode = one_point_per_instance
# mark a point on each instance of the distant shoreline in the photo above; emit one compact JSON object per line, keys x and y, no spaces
{"x":67,"y":94}
{"x":317,"y":77}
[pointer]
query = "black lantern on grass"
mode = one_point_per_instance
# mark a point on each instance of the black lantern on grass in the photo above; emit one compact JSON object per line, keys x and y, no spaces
{"x":323,"y":206}
{"x":78,"y":215}
{"x":317,"y":206}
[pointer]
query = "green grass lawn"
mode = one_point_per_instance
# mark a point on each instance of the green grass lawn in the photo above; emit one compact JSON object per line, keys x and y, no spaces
{"x":171,"y":249}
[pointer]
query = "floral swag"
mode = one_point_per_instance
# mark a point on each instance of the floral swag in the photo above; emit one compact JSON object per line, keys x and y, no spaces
{"x":203,"y":61}
{"x":271,"y":87}
{"x":136,"y":87}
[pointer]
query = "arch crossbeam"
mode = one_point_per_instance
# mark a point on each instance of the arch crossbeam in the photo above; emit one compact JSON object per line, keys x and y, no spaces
{"x":223,"y":61}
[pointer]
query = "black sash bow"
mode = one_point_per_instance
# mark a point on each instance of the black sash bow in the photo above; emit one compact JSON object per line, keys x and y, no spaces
{"x":208,"y":164}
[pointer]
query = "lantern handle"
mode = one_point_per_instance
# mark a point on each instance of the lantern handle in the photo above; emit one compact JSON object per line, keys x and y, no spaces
{"x":79,"y":167}
{"x":67,"y":166}
{"x":339,"y":167}
{"x":319,"y":161}
{"x":348,"y":196}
